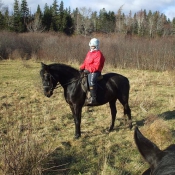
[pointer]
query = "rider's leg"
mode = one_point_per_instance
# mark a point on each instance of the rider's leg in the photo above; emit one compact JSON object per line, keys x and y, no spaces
{"x":92,"y":79}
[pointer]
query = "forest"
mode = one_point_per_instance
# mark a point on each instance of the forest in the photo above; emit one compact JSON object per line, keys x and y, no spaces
{"x":83,"y":21}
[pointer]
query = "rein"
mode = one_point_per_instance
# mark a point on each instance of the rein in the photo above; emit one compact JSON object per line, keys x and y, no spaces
{"x":59,"y":85}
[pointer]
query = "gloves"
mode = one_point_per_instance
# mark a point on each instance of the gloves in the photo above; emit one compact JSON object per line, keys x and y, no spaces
{"x":86,"y":71}
{"x":81,"y":70}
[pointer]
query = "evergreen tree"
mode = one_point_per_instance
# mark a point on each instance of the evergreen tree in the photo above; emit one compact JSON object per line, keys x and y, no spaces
{"x":24,"y":9}
{"x":24,"y":15}
{"x":47,"y":17}
{"x":106,"y":21}
{"x":54,"y":22}
{"x":67,"y":23}
{"x":7,"y":20}
{"x":61,"y":16}
{"x":55,"y":8}
{"x":2,"y":21}
{"x":100,"y":26}
{"x":3,"y":14}
{"x":83,"y":20}
{"x":103,"y":21}
{"x":38,"y":11}
{"x":16,"y":17}
{"x":144,"y":24}
{"x":111,"y":22}
{"x":69,"y":10}
{"x":76,"y":20}
{"x":135,"y":25}
{"x":173,"y":26}
{"x":94,"y":18}
{"x":63,"y":20}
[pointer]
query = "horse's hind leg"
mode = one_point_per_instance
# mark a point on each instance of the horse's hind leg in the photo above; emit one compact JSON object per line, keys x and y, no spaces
{"x":127,"y":110}
{"x":112,"y":105}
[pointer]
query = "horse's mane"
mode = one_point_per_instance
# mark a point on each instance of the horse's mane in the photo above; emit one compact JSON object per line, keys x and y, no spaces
{"x":65,"y":68}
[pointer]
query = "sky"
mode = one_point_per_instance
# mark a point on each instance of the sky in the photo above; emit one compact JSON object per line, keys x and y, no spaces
{"x":166,"y":7}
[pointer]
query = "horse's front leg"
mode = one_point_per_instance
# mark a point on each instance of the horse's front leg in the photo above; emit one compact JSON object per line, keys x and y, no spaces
{"x":76,"y":111}
{"x":112,"y":105}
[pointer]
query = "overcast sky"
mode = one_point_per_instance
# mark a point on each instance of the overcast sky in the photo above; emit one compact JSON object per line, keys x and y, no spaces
{"x":163,"y":6}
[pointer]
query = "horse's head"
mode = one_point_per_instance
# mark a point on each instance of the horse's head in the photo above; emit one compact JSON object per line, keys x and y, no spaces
{"x":47,"y":80}
{"x":161,"y":162}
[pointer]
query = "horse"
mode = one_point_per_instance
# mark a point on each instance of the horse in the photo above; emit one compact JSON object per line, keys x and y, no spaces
{"x":161,"y":162}
{"x":113,"y":86}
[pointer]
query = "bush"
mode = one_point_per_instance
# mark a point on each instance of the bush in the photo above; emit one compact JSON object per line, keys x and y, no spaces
{"x":138,"y":53}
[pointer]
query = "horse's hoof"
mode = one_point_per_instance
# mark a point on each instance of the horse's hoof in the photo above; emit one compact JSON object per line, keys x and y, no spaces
{"x":130,"y":125}
{"x":77,"y":137}
{"x":110,"y":129}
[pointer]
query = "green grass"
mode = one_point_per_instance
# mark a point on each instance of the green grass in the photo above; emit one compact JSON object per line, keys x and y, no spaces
{"x":37,"y":132}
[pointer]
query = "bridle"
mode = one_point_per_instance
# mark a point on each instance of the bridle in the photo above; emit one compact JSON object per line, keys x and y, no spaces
{"x":50,"y":83}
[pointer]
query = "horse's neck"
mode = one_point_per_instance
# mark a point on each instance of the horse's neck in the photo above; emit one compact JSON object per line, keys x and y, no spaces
{"x":65,"y":78}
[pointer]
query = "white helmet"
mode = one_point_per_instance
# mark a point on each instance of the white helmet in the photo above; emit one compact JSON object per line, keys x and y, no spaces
{"x":94,"y":42}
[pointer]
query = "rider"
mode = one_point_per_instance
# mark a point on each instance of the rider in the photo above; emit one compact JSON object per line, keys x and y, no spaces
{"x":93,"y":65}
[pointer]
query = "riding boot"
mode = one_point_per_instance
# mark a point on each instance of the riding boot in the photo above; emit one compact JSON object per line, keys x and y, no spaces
{"x":92,"y":99}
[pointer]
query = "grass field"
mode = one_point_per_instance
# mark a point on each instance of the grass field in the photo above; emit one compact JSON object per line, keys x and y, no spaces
{"x":37,"y":132}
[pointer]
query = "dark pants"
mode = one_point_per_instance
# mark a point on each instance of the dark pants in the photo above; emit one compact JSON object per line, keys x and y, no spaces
{"x":92,"y":78}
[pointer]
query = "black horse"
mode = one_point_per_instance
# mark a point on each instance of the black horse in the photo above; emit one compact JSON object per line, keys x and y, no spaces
{"x":112,"y":87}
{"x":161,"y":162}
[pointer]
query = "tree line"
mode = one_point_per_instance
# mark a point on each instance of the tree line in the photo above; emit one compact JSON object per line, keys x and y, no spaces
{"x":83,"y":20}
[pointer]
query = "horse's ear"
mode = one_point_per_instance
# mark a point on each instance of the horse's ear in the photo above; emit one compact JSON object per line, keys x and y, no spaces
{"x":44,"y":66}
{"x":147,"y":149}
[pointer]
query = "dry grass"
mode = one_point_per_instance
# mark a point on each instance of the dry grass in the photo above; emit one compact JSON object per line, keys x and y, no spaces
{"x":158,"y":130}
{"x":37,"y":132}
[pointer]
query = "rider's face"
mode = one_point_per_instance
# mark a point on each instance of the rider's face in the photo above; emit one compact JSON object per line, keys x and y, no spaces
{"x":92,"y":47}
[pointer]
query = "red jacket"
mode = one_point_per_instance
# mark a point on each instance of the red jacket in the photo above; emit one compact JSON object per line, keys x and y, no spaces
{"x":94,"y":61}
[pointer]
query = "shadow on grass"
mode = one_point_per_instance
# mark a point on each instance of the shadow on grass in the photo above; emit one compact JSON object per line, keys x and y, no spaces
{"x":125,"y":125}
{"x":168,"y":115}
{"x":57,"y":163}
{"x":73,"y":160}
{"x":140,"y":122}
{"x":70,"y":160}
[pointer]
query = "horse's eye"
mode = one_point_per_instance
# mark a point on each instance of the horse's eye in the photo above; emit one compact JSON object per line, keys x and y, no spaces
{"x":48,"y":77}
{"x":43,"y":78}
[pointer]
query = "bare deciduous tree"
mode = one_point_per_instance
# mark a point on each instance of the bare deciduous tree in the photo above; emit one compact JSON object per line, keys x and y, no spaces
{"x":119,"y":20}
{"x":35,"y":25}
{"x":85,"y":21}
{"x":140,"y":17}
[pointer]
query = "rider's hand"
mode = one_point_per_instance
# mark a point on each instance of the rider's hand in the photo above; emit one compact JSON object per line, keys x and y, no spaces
{"x":81,"y":70}
{"x":86,"y":71}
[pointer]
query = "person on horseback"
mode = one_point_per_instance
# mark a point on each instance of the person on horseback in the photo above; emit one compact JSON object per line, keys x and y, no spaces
{"x":92,"y":66}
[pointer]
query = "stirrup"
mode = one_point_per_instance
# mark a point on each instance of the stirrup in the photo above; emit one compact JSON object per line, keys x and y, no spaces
{"x":91,"y":100}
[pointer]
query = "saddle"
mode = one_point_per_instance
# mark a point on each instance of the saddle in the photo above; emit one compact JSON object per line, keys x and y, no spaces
{"x":85,"y":84}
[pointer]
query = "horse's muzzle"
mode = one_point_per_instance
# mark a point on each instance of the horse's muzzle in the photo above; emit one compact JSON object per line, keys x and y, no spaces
{"x":48,"y":93}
